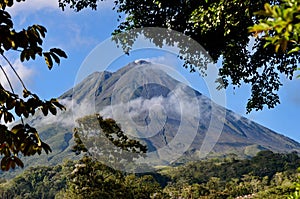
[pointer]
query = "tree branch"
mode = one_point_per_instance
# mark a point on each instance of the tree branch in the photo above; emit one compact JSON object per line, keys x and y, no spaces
{"x":6,"y":76}
{"x":14,"y":71}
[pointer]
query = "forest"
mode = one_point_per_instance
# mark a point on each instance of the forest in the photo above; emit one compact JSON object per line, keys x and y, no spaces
{"x":267,"y":175}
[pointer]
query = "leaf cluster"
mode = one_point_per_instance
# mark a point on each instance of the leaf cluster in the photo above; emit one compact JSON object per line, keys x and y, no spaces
{"x":115,"y":134}
{"x":105,"y":140}
{"x":27,"y":41}
{"x":78,"y":5}
{"x":22,"y":138}
{"x":280,"y":26}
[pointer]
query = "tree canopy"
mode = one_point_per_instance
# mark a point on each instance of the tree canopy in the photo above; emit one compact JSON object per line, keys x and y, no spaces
{"x":104,"y":140}
{"x":22,"y":138}
{"x":224,"y":29}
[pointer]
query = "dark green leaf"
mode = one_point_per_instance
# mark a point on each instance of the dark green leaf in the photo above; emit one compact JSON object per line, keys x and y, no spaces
{"x":18,"y":162}
{"x":55,"y":57}
{"x":59,"y":52}
{"x":45,"y":110}
{"x":46,"y":147}
{"x":53,"y":110}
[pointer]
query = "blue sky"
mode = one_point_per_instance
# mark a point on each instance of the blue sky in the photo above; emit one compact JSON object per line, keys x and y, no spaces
{"x":79,"y":33}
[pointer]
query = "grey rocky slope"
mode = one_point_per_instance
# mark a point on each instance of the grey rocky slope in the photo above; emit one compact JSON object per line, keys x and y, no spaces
{"x":139,"y":87}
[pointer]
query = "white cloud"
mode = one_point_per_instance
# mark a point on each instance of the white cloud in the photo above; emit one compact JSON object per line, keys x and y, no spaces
{"x":178,"y":104}
{"x":168,"y":59}
{"x":24,"y":72}
{"x":66,"y":118}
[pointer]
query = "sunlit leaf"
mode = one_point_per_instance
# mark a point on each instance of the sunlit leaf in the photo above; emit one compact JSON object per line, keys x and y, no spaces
{"x":48,"y":60}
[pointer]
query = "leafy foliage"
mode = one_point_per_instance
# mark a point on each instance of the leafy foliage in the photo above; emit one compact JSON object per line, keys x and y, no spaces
{"x":78,"y":5}
{"x":92,"y":179}
{"x":296,"y":193}
{"x":280,"y":26}
{"x":106,"y":141}
{"x":22,"y":138}
{"x":221,"y":27}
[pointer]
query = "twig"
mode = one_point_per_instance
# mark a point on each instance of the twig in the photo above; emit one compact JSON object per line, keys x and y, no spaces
{"x":6,"y":76}
{"x":10,"y":85}
{"x":14,"y":71}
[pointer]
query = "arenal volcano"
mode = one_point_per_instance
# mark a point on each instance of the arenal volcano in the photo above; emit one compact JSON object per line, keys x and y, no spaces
{"x":156,"y":108}
{"x":162,"y":112}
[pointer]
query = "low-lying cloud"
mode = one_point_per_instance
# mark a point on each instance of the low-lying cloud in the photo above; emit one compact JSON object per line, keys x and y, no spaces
{"x":177,"y":105}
